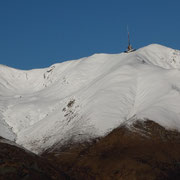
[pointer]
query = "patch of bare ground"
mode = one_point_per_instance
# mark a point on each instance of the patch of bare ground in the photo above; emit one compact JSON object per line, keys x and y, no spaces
{"x":146,"y":151}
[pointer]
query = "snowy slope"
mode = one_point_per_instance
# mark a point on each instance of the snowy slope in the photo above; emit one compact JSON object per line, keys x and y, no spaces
{"x":86,"y":98}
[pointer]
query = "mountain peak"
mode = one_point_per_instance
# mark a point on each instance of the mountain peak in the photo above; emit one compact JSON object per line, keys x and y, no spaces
{"x":160,"y":56}
{"x":87,"y":98}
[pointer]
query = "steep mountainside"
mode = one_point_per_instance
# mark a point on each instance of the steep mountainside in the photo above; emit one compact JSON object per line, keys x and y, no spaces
{"x":79,"y":100}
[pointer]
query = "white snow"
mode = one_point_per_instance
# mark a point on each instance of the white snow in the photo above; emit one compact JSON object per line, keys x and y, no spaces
{"x":81,"y":99}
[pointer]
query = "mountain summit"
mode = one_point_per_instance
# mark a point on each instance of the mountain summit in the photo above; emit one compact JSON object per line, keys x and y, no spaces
{"x":79,"y":100}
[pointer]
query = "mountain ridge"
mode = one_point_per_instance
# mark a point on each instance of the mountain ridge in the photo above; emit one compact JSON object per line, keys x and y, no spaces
{"x":87,"y":98}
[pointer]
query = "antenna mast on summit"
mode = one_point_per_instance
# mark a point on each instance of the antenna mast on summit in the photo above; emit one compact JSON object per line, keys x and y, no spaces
{"x":128,"y":37}
{"x":129,"y":48}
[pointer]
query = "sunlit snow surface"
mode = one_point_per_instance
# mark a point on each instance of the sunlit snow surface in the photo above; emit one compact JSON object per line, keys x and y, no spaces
{"x":81,"y":99}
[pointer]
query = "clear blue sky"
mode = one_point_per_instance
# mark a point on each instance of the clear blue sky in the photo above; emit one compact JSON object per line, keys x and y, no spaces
{"x":38,"y":33}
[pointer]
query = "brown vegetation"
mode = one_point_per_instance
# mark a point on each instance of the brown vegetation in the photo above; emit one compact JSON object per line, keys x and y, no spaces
{"x":147,"y":151}
{"x":17,"y":164}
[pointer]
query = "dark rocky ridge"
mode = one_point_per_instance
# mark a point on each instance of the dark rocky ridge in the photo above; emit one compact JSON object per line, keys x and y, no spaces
{"x":144,"y":151}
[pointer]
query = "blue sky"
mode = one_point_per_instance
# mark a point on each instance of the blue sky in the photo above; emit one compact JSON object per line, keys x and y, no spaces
{"x":39,"y":33}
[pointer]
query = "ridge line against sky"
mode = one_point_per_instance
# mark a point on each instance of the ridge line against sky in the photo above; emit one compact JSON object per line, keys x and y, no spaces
{"x":39,"y":33}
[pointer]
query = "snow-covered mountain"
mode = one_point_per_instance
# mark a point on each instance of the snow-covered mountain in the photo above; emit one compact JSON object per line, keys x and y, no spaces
{"x":87,"y":98}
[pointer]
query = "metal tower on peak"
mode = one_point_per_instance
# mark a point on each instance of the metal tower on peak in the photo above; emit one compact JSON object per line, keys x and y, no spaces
{"x":129,"y":48}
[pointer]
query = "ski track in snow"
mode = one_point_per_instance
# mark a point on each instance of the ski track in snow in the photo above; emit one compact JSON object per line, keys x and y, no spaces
{"x":86,"y":98}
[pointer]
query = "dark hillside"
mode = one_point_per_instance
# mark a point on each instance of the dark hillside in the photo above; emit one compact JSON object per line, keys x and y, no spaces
{"x":17,"y":164}
{"x":147,"y":151}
